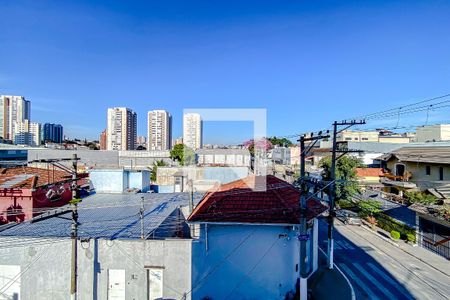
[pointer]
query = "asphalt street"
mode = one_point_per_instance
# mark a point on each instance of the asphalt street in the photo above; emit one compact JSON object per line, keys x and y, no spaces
{"x":379,"y":270}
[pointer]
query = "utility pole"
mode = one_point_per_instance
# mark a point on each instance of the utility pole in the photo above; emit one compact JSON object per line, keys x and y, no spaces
{"x":141,"y":216}
{"x":332,"y":188}
{"x":191,"y":205}
{"x":303,"y":236}
{"x":74,"y":232}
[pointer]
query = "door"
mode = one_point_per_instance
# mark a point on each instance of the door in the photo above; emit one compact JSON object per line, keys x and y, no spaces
{"x":155,"y":278}
{"x":116,"y":284}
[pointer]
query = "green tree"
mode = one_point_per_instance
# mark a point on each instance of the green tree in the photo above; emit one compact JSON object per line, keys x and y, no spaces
{"x":158,"y":163}
{"x":280,"y":141}
{"x":346,"y":178}
{"x":369,"y":207}
{"x":183,"y":154}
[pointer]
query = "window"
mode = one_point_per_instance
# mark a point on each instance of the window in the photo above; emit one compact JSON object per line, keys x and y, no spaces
{"x":365,"y":139}
{"x":441,"y":173}
{"x":428,"y":170}
{"x":348,"y":138}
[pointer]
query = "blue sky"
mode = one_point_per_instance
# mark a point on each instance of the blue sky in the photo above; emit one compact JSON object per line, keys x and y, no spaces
{"x":306,"y":62}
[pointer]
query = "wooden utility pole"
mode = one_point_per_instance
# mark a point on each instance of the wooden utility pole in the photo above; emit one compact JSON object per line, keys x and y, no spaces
{"x":74,"y":232}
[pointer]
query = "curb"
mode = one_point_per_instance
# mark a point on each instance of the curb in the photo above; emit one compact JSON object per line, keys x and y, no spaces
{"x":404,"y":250}
{"x":343,"y":275}
{"x":425,"y":262}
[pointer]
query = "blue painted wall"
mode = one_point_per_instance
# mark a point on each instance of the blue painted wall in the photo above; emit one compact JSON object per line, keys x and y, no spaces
{"x":116,"y":181}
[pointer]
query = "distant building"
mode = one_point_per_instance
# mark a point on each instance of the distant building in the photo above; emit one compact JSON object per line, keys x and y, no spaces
{"x":420,"y":168}
{"x":52,"y":133}
{"x":281,"y":155}
{"x":223,"y":157}
{"x":192,"y":130}
{"x":295,"y":156}
{"x":379,"y":135}
{"x":122,"y":129}
{"x":103,"y":140}
{"x":27,"y":133}
{"x":13,"y":109}
{"x":360,"y":136}
{"x":178,"y":140}
{"x":159,"y":129}
{"x":141,"y":141}
{"x":369,"y":176}
{"x":433,"y":133}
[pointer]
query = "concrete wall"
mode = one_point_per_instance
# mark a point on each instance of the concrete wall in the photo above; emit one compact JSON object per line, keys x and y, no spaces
{"x":245,"y":261}
{"x":46,"y":267}
{"x":232,"y":160}
{"x":433,"y":133}
{"x":108,"y":181}
{"x":104,"y":158}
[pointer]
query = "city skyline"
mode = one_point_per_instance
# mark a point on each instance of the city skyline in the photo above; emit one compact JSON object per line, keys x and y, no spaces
{"x":249,"y":55}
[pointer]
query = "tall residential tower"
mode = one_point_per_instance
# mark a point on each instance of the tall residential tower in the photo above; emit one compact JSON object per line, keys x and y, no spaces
{"x":13,"y":110}
{"x":122,"y":129}
{"x":159,"y":128}
{"x":192,"y":130}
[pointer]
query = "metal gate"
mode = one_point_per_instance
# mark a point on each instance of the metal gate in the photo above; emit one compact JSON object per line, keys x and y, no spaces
{"x":434,"y":237}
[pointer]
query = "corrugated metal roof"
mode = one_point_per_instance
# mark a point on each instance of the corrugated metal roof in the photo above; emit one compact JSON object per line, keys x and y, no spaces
{"x":111,"y":216}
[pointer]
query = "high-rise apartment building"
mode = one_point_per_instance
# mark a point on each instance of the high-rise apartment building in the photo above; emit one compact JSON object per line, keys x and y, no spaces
{"x":52,"y":133}
{"x":192,"y":130}
{"x":27,"y":133}
{"x":122,"y":129}
{"x":13,"y":110}
{"x":159,"y":129}
{"x":103,"y":140}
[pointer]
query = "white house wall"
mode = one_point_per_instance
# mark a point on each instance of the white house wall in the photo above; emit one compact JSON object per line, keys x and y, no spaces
{"x":48,"y":266}
{"x":245,"y":262}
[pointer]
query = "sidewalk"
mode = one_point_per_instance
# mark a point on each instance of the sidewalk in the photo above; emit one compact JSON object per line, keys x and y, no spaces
{"x":324,"y":280}
{"x":435,"y":261}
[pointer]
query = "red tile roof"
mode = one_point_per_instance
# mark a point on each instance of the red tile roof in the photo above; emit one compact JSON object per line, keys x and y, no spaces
{"x":237,"y":202}
{"x":22,"y":177}
{"x":369,"y":172}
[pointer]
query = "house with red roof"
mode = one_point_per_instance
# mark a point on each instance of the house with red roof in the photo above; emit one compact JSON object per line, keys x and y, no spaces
{"x":370,"y":176}
{"x":247,"y":244}
{"x":27,"y":191}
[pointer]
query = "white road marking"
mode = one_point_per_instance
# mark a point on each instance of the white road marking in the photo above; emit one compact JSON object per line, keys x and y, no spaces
{"x":358,"y":281}
{"x":389,"y":280}
{"x":374,"y":281}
